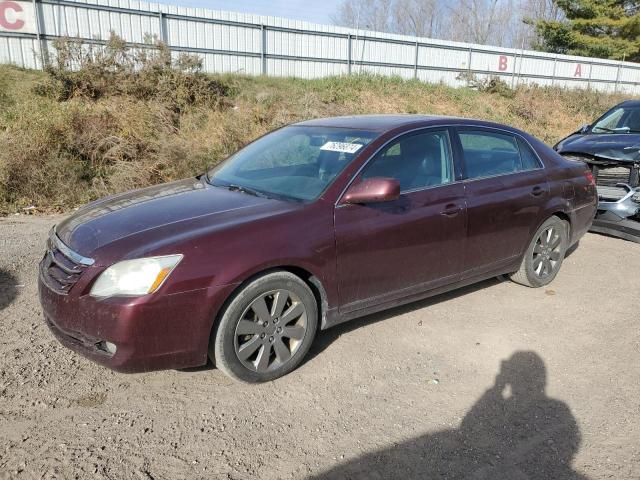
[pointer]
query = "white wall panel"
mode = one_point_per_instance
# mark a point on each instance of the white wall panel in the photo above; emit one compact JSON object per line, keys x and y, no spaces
{"x":22,"y":52}
{"x":311,"y":51}
{"x":604,"y":72}
{"x":441,"y":57}
{"x":384,"y":52}
{"x":572,"y":69}
{"x":533,"y":66}
{"x":630,"y":75}
{"x":492,"y":62}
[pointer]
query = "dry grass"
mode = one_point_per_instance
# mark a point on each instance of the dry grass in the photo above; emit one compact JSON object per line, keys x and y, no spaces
{"x":57,"y":153}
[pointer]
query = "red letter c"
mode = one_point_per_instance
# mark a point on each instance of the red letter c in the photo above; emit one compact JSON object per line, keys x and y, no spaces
{"x":4,"y":22}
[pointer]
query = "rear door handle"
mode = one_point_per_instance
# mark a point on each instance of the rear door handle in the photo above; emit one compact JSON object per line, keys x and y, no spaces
{"x":451,"y":210}
{"x":537,"y":191}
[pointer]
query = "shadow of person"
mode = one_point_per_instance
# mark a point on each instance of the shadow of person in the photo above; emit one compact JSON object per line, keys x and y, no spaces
{"x":514,"y":431}
{"x":8,"y":289}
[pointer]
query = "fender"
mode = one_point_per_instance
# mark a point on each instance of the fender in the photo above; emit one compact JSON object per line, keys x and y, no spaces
{"x":554,"y":207}
{"x":311,"y":274}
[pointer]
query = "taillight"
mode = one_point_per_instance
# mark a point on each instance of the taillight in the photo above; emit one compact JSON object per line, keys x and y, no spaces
{"x":589,"y":176}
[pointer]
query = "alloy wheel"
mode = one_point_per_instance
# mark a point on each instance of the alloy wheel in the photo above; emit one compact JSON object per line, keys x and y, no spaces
{"x":547,"y":252}
{"x":270,"y":330}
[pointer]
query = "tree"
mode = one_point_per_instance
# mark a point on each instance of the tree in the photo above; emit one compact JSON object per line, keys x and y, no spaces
{"x":493,"y":22}
{"x":475,"y":20}
{"x":593,"y":28}
{"x":534,"y":11}
{"x":417,"y":17}
{"x":365,"y":14}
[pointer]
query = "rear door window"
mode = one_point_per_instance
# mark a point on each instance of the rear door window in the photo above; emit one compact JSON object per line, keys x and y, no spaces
{"x":489,"y":154}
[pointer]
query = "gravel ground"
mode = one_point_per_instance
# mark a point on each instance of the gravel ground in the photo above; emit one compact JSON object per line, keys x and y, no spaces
{"x":492,"y":381}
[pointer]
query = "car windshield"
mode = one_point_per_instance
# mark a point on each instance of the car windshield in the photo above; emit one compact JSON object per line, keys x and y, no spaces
{"x":619,"y":120}
{"x":294,"y":163}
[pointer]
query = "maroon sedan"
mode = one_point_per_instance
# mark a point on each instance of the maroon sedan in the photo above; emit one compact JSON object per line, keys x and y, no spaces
{"x":309,"y":226}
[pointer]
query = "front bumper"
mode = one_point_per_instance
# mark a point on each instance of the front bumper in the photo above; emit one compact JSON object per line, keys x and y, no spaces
{"x":152,"y":332}
{"x":618,"y":214}
{"x":622,"y":228}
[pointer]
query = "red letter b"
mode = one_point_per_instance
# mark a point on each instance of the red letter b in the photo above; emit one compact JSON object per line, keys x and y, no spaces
{"x":502,"y":63}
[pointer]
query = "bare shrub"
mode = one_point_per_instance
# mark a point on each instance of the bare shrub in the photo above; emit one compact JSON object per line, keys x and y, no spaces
{"x":488,"y":84}
{"x":148,"y":72}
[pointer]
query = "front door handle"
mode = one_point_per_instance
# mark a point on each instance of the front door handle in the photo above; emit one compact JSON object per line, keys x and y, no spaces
{"x":537,"y":191}
{"x":451,"y":210}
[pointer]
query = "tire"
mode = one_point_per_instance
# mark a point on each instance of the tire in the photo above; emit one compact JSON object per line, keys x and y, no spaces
{"x":544,"y":255}
{"x":266,"y":329}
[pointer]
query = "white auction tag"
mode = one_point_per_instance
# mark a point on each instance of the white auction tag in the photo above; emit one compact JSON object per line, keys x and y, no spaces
{"x":341,"y":147}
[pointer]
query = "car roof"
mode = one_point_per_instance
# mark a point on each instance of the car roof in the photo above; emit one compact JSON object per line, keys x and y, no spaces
{"x":384,"y":123}
{"x":630,"y":103}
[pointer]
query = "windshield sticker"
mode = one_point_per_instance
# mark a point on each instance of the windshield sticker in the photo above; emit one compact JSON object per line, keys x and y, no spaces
{"x":341,"y":147}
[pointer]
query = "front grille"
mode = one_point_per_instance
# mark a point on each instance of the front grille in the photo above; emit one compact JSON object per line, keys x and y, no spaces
{"x":611,"y":193}
{"x":608,"y":177}
{"x":59,"y":271}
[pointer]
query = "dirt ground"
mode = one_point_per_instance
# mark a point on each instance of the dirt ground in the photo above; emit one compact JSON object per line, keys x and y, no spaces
{"x":493,"y":381}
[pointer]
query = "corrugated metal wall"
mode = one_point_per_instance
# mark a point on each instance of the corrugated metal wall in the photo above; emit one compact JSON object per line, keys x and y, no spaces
{"x":254,"y":45}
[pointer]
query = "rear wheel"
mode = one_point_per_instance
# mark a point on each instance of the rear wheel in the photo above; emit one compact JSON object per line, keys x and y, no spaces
{"x":266,"y":330}
{"x":545,"y":254}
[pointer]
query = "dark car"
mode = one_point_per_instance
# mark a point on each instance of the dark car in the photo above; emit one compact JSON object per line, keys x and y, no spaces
{"x":611,"y":147}
{"x":309,"y":226}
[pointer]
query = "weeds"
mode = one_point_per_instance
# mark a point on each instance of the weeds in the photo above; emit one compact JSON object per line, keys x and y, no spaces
{"x":5,"y":100}
{"x":105,"y":120}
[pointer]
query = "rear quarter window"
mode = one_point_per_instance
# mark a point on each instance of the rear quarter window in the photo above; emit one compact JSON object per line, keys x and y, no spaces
{"x":530,"y":160}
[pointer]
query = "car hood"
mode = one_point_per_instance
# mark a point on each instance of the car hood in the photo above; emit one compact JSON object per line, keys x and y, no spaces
{"x":624,"y":147}
{"x":146,"y":216}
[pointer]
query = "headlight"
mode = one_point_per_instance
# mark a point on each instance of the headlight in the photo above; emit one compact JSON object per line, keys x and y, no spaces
{"x":636,"y":197}
{"x":134,"y":277}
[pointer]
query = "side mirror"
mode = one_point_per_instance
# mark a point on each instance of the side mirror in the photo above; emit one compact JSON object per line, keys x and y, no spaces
{"x":584,"y":128}
{"x":373,"y":190}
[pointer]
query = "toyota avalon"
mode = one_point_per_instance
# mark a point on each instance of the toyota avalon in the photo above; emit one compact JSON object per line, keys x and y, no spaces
{"x":309,"y":226}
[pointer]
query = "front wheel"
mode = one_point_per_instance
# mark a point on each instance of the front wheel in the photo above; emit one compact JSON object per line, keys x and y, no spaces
{"x":545,"y":254}
{"x":266,"y":330}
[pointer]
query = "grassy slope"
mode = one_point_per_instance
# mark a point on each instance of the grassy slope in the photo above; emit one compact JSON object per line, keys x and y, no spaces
{"x":57,"y":155}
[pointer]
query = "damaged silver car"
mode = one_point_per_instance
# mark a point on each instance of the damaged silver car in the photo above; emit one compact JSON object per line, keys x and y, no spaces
{"x":611,"y":147}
